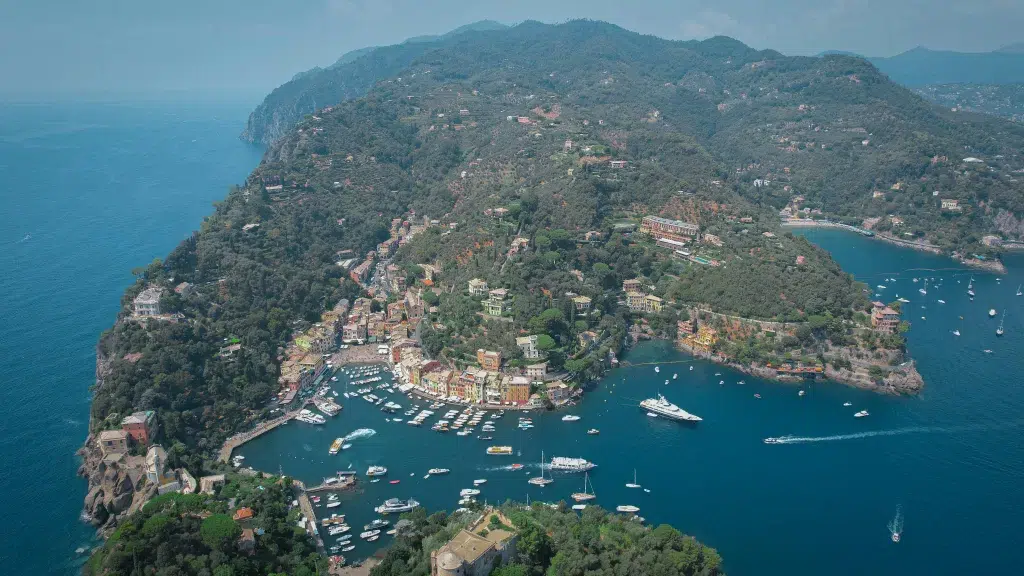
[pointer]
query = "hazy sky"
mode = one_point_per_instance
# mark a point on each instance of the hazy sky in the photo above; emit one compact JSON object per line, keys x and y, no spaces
{"x":233,"y":48}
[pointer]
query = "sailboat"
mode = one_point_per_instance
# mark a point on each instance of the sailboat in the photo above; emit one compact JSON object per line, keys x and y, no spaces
{"x":634,"y":484}
{"x":957,"y":331}
{"x":970,"y":288}
{"x":896,"y":526}
{"x":925,"y":289}
{"x":541,"y":480}
{"x":584,"y":496}
{"x":1018,"y":290}
{"x":999,"y":331}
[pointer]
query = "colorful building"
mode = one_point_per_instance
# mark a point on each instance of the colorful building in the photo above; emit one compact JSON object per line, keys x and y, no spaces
{"x":488,"y":359}
{"x":140,"y":426}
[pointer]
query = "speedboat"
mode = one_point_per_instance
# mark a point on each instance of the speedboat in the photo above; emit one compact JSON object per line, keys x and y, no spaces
{"x":757,"y":395}
{"x":479,"y":481}
{"x":801,"y":393}
{"x":992,"y":313}
{"x":628,"y":509}
{"x":593,"y":431}
{"x":516,"y":467}
{"x":772,"y":441}
{"x":861,"y":414}
{"x":847,"y":403}
{"x":570,"y":418}
{"x":438,"y":471}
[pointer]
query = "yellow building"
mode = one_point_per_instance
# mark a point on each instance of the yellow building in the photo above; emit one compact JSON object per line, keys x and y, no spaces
{"x":704,"y":339}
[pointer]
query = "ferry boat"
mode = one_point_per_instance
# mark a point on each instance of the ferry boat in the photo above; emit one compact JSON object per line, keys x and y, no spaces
{"x":571,"y":464}
{"x":663,"y":407}
{"x":570,"y":418}
{"x":861,"y":414}
{"x":628,"y":509}
{"x":336,"y":445}
{"x":436,"y":471}
{"x":499,"y":450}
{"x":376,"y":471}
{"x":394,"y":505}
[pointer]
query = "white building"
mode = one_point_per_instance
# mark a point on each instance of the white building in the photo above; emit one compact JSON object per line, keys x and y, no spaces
{"x":147,"y":303}
{"x":528,"y":344}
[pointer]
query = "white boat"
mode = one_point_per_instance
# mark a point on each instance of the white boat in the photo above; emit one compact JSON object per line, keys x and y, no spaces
{"x":579,"y":507}
{"x":773,"y":440}
{"x":896,"y":526}
{"x":999,"y":331}
{"x":393,"y":505}
{"x":663,"y":407}
{"x":541,"y":480}
{"x":801,"y":393}
{"x":691,"y":368}
{"x":334,"y":504}
{"x":593,"y":431}
{"x":1018,"y":290}
{"x":479,"y":481}
{"x":436,"y":471}
{"x":674,"y":376}
{"x":570,"y":418}
{"x":376,"y":471}
{"x":657,"y":369}
{"x":468,"y":492}
{"x":652,"y":414}
{"x":861,"y":414}
{"x":942,"y":301}
{"x":346,"y":446}
{"x":571,"y":464}
{"x":628,"y":509}
{"x":633,"y":484}
{"x":369,"y":533}
{"x":881,"y":287}
{"x":847,"y":403}
{"x":991,"y":312}
{"x":348,"y":548}
{"x":584,"y":496}
{"x":377,"y":523}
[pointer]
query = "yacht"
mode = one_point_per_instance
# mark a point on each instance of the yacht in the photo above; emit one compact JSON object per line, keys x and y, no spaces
{"x":571,"y":464}
{"x":479,"y":481}
{"x":499,"y":450}
{"x":369,"y":534}
{"x":663,"y":407}
{"x":376,"y":471}
{"x":633,"y":484}
{"x":579,"y":507}
{"x":570,"y":418}
{"x":584,"y":496}
{"x":541,"y":480}
{"x":436,"y":471}
{"x":465,"y":492}
{"x":628,"y":509}
{"x":393,"y":505}
{"x":378,"y":523}
{"x":861,"y":414}
{"x":773,"y":441}
{"x":593,"y":431}
{"x":333,"y":504}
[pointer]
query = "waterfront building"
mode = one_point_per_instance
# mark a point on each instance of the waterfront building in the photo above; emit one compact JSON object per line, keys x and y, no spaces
{"x":537,"y":371}
{"x":147,"y":303}
{"x":436,"y":383}
{"x":477,"y":550}
{"x":398,"y":346}
{"x":497,"y":302}
{"x":557,"y":391}
{"x":515,"y":389}
{"x":477,"y":287}
{"x":139,"y":425}
{"x":660,"y":228}
{"x":424,"y":367}
{"x":113,"y":442}
{"x":704,"y":339}
{"x":488,"y":359}
{"x":684,"y":328}
{"x":528,"y":344}
{"x":582,"y":303}
{"x":884,"y":319}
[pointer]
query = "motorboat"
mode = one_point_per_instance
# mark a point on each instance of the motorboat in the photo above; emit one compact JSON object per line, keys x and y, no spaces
{"x":570,"y":418}
{"x":628,"y":509}
{"x":377,"y":523}
{"x":992,"y":313}
{"x":801,"y":393}
{"x":847,"y":403}
{"x":369,"y":533}
{"x":437,"y":471}
{"x":773,"y":441}
{"x":393,"y":505}
{"x":376,"y":471}
{"x":479,"y":481}
{"x":593,"y":431}
{"x":861,"y":414}
{"x":499,"y":450}
{"x":468,"y":492}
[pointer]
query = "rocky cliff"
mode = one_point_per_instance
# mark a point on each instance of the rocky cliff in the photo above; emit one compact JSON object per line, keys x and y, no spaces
{"x":117,"y":487}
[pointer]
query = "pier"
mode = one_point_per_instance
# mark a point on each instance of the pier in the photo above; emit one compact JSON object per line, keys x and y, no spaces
{"x":307,"y":510}
{"x":344,"y":482}
{"x":241,"y":438}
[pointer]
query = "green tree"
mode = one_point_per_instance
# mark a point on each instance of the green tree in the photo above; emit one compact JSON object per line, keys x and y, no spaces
{"x":219,"y":531}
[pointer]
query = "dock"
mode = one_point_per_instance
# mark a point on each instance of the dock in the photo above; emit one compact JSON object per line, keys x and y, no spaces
{"x":345,"y":482}
{"x":307,"y":510}
{"x":241,"y":438}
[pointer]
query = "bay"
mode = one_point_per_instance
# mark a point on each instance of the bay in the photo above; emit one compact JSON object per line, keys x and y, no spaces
{"x":951,"y":457}
{"x":90,"y":192}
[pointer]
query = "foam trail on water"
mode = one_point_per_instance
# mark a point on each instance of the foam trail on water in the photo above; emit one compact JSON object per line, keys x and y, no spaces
{"x":360,"y":433}
{"x":899,"y":432}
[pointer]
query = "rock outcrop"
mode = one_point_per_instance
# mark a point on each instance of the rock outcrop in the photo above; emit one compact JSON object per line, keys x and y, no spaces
{"x":117,"y":486}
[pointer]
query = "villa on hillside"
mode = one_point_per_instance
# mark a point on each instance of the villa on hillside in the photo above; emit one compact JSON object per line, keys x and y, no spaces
{"x":478,"y":549}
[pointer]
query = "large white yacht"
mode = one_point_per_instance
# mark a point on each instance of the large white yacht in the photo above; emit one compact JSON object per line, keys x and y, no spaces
{"x":571,"y":464}
{"x":395,"y":505}
{"x":663,"y":407}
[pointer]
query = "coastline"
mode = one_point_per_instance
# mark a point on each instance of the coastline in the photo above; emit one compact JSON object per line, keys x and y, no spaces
{"x":994,"y":266}
{"x":902,"y":380}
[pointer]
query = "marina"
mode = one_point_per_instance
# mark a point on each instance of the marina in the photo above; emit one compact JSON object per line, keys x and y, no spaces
{"x":673,"y":459}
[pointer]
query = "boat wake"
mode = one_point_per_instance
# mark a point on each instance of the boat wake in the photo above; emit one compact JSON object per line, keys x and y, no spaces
{"x":360,"y":433}
{"x":894,"y":432}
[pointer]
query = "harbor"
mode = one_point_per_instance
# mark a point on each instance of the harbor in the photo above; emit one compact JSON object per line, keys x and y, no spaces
{"x":703,"y":476}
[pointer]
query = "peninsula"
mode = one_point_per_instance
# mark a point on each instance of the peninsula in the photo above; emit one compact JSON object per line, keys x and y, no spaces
{"x":505,"y":217}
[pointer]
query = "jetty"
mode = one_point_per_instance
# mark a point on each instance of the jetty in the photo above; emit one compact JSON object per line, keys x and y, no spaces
{"x":343,"y":481}
{"x":307,"y":511}
{"x":241,"y":438}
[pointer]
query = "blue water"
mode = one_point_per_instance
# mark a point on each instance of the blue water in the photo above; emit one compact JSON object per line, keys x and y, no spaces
{"x":89,"y":192}
{"x":950,"y":457}
{"x":99,"y":190}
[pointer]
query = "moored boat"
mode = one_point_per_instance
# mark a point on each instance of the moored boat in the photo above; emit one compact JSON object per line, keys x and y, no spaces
{"x":499,"y":450}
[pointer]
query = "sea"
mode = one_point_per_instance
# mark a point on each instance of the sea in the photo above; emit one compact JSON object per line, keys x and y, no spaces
{"x":950,"y":459}
{"x":90,"y":191}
